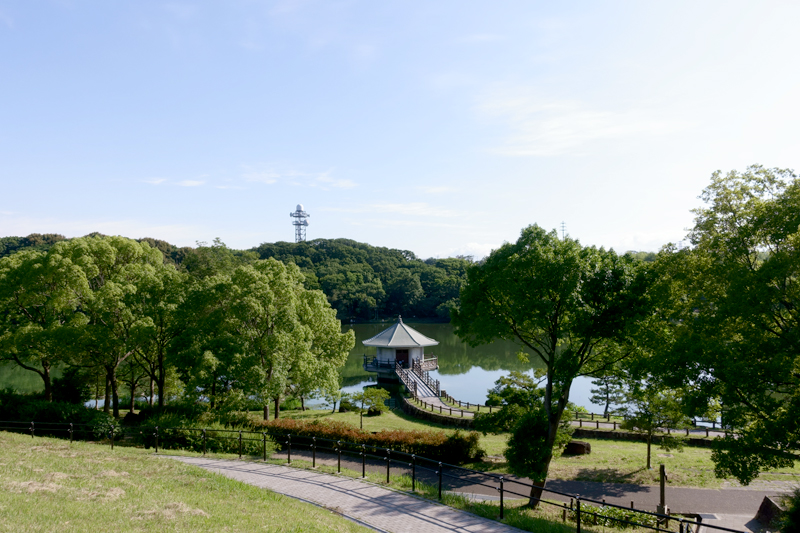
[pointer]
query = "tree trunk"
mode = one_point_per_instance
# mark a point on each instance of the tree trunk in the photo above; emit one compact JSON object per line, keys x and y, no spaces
{"x":302,"y":403}
{"x":266,"y":411}
{"x":334,"y":407}
{"x":152,"y":391}
{"x":48,"y":389}
{"x":133,"y":391}
{"x":213,"y":394}
{"x":649,"y":441}
{"x":107,"y":397}
{"x":277,"y":407}
{"x":162,"y":378}
{"x":112,"y":377}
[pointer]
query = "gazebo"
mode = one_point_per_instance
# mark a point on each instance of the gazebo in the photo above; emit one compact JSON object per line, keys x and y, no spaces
{"x":399,"y":344}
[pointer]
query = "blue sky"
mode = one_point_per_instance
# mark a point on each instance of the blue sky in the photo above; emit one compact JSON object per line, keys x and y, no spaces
{"x":437,"y":127}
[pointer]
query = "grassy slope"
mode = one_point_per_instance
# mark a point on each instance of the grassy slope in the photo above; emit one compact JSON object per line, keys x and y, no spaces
{"x":50,"y":485}
{"x":611,"y":461}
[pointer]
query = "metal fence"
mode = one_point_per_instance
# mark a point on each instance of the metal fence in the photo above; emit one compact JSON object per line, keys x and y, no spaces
{"x":443,"y":477}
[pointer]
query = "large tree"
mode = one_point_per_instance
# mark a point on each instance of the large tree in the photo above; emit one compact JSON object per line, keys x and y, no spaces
{"x":39,"y":294}
{"x":571,"y":306}
{"x":733,"y":326}
{"x":113,"y":327}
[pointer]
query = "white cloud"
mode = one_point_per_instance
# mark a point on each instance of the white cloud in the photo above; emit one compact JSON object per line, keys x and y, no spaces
{"x":262,"y":177}
{"x":326,"y":180}
{"x":413,"y":209}
{"x":190,"y":183}
{"x":477,"y":250}
{"x":322,"y":180}
{"x":435,"y":190}
{"x":550,"y":127}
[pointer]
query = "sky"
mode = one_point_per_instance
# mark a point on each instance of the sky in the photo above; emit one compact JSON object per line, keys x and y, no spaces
{"x":442,"y":128}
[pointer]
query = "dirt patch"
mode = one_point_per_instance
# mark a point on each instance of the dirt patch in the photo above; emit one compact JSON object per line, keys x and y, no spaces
{"x":665,"y":455}
{"x":108,"y":496}
{"x":112,"y":473}
{"x":56,"y":476}
{"x":32,"y":486}
{"x":170,"y":512}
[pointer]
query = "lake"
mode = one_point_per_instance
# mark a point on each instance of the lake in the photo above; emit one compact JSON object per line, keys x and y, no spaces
{"x":466,"y":373}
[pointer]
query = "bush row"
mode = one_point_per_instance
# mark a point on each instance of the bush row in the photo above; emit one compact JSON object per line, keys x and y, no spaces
{"x":52,"y":418}
{"x":457,"y":448}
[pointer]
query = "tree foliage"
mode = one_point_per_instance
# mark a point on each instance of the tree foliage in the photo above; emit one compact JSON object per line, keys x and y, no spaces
{"x":731,"y":310}
{"x":573,"y":307}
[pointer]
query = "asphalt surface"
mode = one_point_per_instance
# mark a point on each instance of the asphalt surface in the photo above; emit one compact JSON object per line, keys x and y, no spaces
{"x":680,"y":500}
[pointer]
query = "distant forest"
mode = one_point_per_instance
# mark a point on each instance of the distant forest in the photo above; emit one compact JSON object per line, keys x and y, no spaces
{"x":361,"y":282}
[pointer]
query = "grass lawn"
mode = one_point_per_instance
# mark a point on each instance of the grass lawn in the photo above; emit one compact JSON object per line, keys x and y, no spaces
{"x":52,"y":485}
{"x":611,"y":461}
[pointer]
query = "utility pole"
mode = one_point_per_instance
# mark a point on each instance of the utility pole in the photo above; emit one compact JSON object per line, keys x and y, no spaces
{"x":563,"y":230}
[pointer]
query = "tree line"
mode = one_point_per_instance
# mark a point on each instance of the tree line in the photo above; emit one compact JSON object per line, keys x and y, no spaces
{"x":226,"y":328}
{"x":361,"y":282}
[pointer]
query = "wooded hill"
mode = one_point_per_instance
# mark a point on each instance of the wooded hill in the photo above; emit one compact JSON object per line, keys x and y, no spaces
{"x":360,"y":281}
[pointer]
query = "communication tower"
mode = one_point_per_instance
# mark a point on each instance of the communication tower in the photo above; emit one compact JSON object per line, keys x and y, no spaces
{"x":300,"y":223}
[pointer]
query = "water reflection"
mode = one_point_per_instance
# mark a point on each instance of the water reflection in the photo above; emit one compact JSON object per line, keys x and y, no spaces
{"x":466,"y":373}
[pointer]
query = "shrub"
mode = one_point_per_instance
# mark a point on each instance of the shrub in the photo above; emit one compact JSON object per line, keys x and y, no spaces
{"x":458,"y":447}
{"x":790,"y":521}
{"x":53,"y":418}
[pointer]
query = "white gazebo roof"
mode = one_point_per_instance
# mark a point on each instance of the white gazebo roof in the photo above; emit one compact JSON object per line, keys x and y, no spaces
{"x":400,"y":336}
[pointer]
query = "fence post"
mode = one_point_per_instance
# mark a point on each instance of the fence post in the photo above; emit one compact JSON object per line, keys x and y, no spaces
{"x":289,"y":447}
{"x":578,"y":513}
{"x":339,"y":456}
{"x":33,"y":428}
{"x":580,"y":422}
{"x":413,"y":473}
{"x":313,"y":452}
{"x":388,"y":463}
{"x":680,"y":526}
{"x":70,"y":432}
{"x":156,"y":434}
{"x":111,"y":436}
{"x":363,"y":460}
{"x":440,"y":481}
{"x":264,"y":443}
{"x":240,"y":444}
{"x":205,"y":443}
{"x":501,"y":497}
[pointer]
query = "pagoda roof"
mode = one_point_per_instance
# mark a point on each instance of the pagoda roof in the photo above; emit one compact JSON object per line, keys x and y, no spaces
{"x":400,"y":335}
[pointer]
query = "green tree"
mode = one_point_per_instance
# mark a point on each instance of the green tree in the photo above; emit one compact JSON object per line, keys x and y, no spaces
{"x":608,"y":390}
{"x":732,"y":318}
{"x":649,"y":409}
{"x":111,"y":329}
{"x":569,"y":305}
{"x":159,"y":298}
{"x":370,"y":398}
{"x":39,"y":296}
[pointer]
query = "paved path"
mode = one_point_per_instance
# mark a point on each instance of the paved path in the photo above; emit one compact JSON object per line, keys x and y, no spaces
{"x":377,"y":507}
{"x":727,"y":507}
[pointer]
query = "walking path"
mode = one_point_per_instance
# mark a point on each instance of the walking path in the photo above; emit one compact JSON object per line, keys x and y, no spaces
{"x":377,"y":507}
{"x":728,"y":507}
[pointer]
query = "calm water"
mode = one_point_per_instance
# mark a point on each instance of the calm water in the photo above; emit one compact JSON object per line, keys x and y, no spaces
{"x":466,"y":373}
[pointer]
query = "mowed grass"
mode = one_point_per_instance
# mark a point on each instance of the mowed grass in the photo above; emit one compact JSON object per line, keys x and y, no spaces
{"x":611,"y":461}
{"x":616,"y":461}
{"x":51,"y":485}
